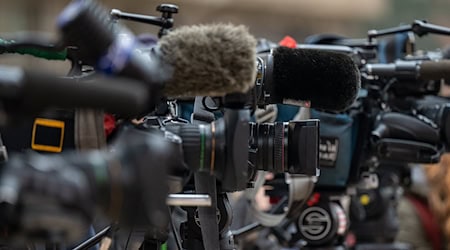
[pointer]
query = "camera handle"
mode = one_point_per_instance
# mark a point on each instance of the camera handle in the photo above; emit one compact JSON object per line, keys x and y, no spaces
{"x":418,"y":27}
{"x":165,"y":21}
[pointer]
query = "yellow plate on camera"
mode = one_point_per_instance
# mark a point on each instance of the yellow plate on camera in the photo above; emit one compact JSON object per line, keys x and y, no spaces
{"x":49,"y":124}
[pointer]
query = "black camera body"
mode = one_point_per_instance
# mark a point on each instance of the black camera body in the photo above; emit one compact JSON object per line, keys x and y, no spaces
{"x":218,"y":148}
{"x":399,"y":137}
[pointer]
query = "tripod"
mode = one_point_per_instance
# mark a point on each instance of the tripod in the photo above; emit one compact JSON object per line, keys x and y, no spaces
{"x":191,"y":228}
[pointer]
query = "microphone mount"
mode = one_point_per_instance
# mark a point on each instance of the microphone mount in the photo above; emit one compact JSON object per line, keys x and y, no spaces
{"x":165,"y":21}
{"x":418,"y":27}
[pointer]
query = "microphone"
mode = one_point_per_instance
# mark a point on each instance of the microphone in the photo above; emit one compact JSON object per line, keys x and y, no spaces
{"x":204,"y":60}
{"x":417,"y":69}
{"x":312,"y":78}
{"x":26,"y":91}
{"x":209,"y":60}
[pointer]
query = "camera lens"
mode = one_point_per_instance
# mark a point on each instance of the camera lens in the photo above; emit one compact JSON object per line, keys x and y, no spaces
{"x":268,"y":146}
{"x":285,"y":147}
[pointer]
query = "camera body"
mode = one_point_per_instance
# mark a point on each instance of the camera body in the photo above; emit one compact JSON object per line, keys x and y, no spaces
{"x":359,"y":157}
{"x":280,"y":147}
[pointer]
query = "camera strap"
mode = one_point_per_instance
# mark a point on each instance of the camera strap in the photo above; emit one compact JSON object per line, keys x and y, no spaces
{"x":206,"y":184}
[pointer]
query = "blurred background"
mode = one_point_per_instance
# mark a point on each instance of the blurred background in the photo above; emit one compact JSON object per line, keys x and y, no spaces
{"x":265,"y":18}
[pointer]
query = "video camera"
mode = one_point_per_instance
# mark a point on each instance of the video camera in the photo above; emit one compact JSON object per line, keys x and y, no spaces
{"x":231,"y":148}
{"x":365,"y":150}
{"x":53,"y":198}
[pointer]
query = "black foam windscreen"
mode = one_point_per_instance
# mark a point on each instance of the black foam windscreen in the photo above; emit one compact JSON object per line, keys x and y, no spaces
{"x":329,"y":80}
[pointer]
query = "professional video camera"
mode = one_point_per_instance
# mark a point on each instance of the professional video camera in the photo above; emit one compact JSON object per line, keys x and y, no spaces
{"x":52,"y":198}
{"x":85,"y":13}
{"x":410,"y":87}
{"x":365,"y":151}
{"x":209,"y":144}
{"x":414,"y":136}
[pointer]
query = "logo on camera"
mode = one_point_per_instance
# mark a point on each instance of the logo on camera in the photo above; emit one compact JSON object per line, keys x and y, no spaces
{"x":328,"y":151}
{"x":315,"y":224}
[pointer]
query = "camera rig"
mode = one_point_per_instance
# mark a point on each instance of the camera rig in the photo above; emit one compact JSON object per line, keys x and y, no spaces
{"x":226,"y":140}
{"x":363,"y":166}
